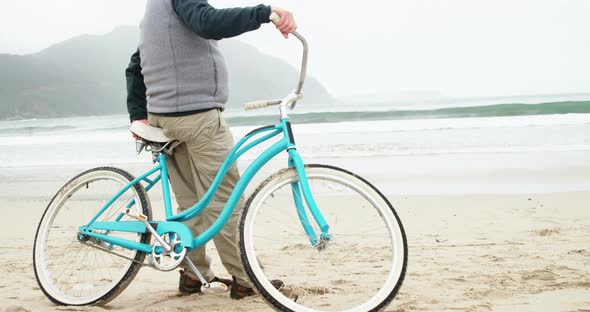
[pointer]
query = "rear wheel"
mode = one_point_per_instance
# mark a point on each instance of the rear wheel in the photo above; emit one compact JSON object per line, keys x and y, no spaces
{"x":76,"y":270}
{"x":361,"y":267}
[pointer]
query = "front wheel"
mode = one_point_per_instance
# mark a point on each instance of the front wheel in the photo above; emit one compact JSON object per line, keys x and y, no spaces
{"x":360,"y":268}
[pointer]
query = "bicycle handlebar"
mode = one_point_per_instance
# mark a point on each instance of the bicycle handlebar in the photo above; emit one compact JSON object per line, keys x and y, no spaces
{"x":303,"y":73}
{"x":261,"y":104}
{"x":291,"y":99}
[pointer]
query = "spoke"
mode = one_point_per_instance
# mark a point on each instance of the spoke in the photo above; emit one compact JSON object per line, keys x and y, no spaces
{"x":351,"y":267}
{"x":80,"y":261}
{"x":97,"y":265}
{"x":80,"y":270}
{"x":108,"y":270}
{"x":292,"y":228}
{"x":119,"y":208}
{"x":70,"y":261}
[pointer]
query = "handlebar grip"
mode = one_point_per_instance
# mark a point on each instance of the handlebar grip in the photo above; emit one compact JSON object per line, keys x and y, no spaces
{"x":256,"y":105}
{"x":274,"y":17}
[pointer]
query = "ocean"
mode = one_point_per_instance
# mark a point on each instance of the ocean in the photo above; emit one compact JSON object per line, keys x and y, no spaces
{"x":428,"y":149}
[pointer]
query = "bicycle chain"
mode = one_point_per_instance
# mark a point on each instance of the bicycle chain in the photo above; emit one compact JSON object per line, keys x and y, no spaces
{"x":125,"y":257}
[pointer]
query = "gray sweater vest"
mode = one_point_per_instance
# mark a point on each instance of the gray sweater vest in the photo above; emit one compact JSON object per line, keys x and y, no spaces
{"x":182,"y":71}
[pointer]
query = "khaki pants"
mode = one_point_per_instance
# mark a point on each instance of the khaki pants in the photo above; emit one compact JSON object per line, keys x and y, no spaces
{"x":206,"y":141}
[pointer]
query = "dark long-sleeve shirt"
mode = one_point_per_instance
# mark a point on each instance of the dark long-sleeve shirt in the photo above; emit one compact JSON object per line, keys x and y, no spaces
{"x":207,"y":22}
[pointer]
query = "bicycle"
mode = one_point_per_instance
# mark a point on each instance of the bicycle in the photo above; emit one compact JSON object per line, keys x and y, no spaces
{"x":344,"y":244}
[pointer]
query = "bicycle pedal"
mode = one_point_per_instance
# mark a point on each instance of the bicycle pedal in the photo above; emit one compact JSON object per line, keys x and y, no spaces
{"x":215,"y":288}
{"x":150,"y":260}
{"x":140,"y":217}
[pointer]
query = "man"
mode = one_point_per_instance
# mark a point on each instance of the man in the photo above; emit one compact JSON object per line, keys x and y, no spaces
{"x":177,"y":80}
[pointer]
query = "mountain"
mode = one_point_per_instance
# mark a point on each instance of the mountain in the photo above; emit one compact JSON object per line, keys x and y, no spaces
{"x":85,"y":76}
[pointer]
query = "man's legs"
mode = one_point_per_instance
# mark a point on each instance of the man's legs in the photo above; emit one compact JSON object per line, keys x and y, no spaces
{"x":207,"y":141}
{"x":182,"y":181}
{"x":181,"y":174}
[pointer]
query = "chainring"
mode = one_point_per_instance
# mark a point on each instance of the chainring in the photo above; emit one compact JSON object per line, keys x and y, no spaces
{"x":168,"y":261}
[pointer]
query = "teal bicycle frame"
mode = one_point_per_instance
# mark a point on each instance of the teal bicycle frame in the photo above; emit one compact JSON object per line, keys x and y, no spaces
{"x":173,"y":223}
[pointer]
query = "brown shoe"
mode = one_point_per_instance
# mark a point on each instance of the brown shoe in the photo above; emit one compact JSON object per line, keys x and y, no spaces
{"x":238,"y":291}
{"x":188,"y":285}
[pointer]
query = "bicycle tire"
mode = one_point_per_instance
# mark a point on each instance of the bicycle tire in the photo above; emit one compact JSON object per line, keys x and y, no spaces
{"x":261,"y":271}
{"x":66,"y":198}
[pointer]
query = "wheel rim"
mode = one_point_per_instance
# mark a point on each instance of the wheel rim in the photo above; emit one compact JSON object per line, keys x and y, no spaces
{"x":69,"y":271}
{"x":361,"y":253}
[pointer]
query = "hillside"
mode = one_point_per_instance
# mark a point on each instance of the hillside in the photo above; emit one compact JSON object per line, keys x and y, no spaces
{"x":85,"y":76}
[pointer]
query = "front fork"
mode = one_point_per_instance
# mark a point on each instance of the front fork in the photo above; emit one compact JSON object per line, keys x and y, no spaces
{"x":299,"y":186}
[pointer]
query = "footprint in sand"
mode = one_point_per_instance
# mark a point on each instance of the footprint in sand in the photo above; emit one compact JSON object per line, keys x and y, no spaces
{"x":295,"y":247}
{"x":543,"y":275}
{"x":582,"y":284}
{"x":342,"y":282}
{"x":493,"y":258}
{"x":496,"y":294}
{"x":547,"y":232}
{"x":14,"y":308}
{"x":582,"y":252}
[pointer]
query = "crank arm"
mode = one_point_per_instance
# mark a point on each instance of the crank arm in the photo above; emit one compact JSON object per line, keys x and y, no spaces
{"x":143,"y":219}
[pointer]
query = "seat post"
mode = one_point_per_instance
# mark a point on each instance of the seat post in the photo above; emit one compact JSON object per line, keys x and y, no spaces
{"x":156,"y":150}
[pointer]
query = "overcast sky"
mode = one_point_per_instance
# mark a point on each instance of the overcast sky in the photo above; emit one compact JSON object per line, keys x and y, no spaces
{"x":461,"y":48}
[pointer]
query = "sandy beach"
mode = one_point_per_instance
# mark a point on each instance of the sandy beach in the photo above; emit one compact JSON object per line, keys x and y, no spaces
{"x":497,"y":218}
{"x":525,"y":252}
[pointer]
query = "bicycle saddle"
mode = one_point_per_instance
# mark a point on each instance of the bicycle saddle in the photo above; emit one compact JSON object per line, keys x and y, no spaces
{"x":149,"y":133}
